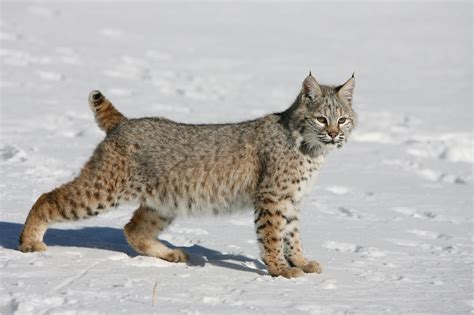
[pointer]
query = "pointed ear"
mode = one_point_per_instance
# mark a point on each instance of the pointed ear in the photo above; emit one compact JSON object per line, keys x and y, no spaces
{"x":311,"y":88}
{"x":346,"y":90}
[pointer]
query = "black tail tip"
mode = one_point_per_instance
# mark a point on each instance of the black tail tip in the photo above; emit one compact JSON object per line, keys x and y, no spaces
{"x":95,"y":95}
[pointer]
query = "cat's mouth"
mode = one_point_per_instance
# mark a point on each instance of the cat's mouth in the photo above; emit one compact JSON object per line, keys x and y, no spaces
{"x":333,"y":143}
{"x":329,"y":142}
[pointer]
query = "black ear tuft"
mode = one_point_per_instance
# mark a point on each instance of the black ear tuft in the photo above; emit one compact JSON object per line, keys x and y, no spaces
{"x":346,"y":90}
{"x":311,"y":88}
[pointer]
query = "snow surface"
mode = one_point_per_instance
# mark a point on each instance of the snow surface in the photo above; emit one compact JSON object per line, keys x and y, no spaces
{"x":390,"y":218}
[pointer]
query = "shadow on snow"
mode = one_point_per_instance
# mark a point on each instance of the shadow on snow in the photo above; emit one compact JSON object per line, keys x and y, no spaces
{"x":113,"y":239}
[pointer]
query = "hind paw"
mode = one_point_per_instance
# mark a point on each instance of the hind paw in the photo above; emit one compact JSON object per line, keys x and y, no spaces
{"x":34,"y":246}
{"x":176,"y":255}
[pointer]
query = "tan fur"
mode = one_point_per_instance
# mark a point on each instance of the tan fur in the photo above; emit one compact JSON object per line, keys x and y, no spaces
{"x":107,"y":116}
{"x":172,"y":169}
{"x":141,"y":234}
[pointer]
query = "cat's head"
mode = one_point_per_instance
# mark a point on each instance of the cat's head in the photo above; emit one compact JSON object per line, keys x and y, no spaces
{"x":325,"y":113}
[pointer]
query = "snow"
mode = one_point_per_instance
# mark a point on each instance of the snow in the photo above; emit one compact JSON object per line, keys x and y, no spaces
{"x":390,"y":217}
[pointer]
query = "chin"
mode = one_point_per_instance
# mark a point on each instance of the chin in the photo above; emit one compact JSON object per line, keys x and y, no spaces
{"x":333,"y":145}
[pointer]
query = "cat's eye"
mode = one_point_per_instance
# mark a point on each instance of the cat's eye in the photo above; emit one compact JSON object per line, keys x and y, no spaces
{"x":342,"y":120}
{"x":321,"y":119}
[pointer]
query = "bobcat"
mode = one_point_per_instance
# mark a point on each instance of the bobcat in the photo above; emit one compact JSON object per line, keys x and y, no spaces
{"x":173,"y":169}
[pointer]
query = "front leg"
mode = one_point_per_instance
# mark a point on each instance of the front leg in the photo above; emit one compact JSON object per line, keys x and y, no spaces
{"x":293,"y":250}
{"x":270,"y":227}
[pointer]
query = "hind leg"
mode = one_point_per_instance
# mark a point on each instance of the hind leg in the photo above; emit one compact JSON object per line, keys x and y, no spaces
{"x":31,"y":237}
{"x":68,"y":202}
{"x":141,"y":233}
{"x":98,"y":187}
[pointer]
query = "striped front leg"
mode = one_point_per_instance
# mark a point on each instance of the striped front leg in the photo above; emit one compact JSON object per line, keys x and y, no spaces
{"x":270,"y":227}
{"x":293,"y":250}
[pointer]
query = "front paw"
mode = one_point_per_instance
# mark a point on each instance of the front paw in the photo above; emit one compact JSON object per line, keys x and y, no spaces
{"x":312,"y":267}
{"x":292,"y":272}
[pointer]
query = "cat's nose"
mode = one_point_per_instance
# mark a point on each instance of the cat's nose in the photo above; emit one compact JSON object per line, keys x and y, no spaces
{"x":333,"y":134}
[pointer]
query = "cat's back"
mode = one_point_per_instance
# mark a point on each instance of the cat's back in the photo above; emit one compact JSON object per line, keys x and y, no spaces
{"x":158,"y":133}
{"x":159,"y":145}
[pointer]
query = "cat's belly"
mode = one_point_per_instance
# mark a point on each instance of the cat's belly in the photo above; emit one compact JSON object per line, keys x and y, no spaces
{"x":204,"y":187}
{"x":201,"y":205}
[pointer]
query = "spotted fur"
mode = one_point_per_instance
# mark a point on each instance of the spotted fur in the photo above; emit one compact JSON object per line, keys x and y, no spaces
{"x":172,"y":169}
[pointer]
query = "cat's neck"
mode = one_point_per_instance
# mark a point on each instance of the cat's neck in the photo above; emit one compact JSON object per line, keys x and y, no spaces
{"x":293,"y":123}
{"x":287,"y":117}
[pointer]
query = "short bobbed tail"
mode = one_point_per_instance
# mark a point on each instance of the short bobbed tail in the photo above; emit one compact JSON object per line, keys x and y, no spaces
{"x":106,"y":115}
